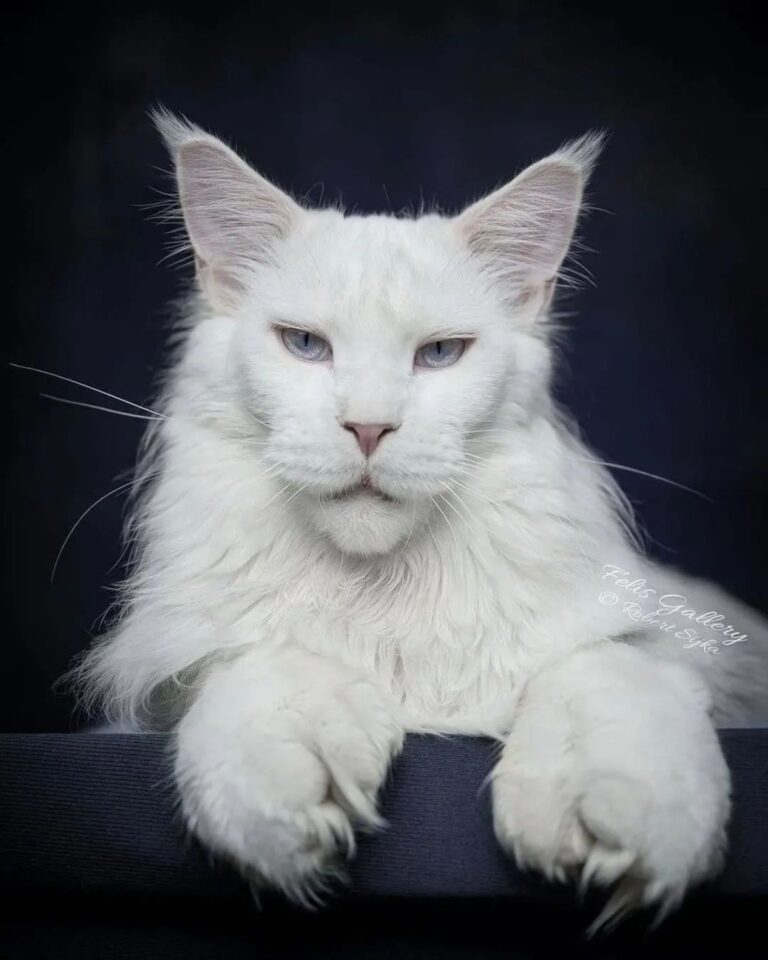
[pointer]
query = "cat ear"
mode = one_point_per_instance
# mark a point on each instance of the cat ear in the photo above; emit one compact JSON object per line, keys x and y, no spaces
{"x":520,"y":234}
{"x":233,"y":216}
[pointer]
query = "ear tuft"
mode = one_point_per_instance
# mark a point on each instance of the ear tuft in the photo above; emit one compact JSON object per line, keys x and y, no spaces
{"x":582,"y":153}
{"x":176,"y":130}
{"x":234,"y":217}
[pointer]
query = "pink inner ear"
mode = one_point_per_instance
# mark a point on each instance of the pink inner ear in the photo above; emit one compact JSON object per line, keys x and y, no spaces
{"x":234,"y":217}
{"x":524,"y":229}
{"x":520,"y":234}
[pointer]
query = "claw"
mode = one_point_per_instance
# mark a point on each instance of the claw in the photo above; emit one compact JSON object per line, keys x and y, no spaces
{"x":605,"y":866}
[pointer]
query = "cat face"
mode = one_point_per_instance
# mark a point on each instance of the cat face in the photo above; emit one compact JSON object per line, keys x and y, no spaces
{"x":373,"y":351}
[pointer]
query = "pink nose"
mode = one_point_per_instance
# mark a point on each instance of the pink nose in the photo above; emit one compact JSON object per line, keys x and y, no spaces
{"x":369,"y":434}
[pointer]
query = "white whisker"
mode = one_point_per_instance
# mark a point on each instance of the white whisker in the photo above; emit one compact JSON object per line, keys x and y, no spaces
{"x":412,"y":526}
{"x":86,"y":386}
{"x":448,"y":503}
{"x":273,"y":498}
{"x":295,"y":494}
{"x":84,"y":514}
{"x":475,"y":493}
{"x":448,"y":522}
{"x":645,"y":473}
{"x":94,"y":406}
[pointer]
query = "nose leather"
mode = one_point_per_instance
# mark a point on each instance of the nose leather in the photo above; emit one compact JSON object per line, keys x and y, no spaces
{"x":369,"y":434}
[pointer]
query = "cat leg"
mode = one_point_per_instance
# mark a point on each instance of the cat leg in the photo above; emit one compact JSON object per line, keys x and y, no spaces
{"x":613,"y":772}
{"x":279,"y":757}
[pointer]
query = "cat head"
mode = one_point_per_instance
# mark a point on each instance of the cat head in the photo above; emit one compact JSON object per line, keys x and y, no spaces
{"x":374,"y":350}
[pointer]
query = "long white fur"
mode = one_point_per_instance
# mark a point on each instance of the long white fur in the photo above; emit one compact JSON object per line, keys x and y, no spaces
{"x":292,"y":635}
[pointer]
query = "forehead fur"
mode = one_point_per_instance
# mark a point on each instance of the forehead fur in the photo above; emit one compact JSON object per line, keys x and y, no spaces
{"x":435,"y":276}
{"x":368,"y":271}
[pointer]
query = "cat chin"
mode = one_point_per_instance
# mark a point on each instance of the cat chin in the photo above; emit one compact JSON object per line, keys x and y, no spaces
{"x":364,"y":524}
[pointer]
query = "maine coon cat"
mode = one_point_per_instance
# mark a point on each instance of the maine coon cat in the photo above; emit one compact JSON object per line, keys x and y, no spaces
{"x":361,"y":514}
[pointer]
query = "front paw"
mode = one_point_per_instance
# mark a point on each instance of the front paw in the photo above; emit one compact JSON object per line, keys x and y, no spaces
{"x":281,"y":797}
{"x":648,"y":823}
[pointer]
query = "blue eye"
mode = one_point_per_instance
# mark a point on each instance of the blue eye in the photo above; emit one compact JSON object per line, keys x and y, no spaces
{"x":440,"y":353}
{"x":306,"y":345}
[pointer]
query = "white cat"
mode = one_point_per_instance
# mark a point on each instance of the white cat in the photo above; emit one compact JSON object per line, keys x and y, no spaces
{"x":363,"y":515}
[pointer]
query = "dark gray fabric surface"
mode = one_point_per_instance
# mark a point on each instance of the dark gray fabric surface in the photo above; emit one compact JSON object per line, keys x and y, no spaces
{"x":94,"y":864}
{"x":97,"y":812}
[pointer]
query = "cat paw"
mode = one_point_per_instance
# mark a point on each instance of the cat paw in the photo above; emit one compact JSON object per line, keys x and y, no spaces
{"x":282,"y":795}
{"x":649,"y":838}
{"x":647,"y":829}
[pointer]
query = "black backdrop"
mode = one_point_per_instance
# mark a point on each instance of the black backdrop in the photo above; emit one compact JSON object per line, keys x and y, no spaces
{"x":665,"y":366}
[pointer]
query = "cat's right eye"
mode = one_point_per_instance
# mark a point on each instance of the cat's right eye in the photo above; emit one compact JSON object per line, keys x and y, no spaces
{"x":305,"y":345}
{"x":440,"y":353}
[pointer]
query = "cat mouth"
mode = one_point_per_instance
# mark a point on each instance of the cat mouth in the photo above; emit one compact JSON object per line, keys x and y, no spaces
{"x":365,"y":488}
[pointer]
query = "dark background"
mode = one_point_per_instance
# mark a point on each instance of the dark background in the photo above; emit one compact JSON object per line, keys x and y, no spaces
{"x":665,"y":365}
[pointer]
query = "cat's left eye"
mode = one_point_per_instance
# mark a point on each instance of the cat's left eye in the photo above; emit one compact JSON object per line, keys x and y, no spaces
{"x":305,"y":345}
{"x":440,"y":353}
